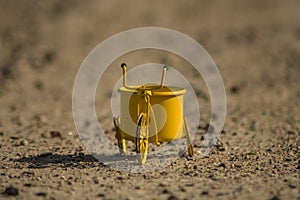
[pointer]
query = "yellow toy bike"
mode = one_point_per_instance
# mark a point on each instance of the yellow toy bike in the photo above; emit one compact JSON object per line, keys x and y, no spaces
{"x":150,"y":113}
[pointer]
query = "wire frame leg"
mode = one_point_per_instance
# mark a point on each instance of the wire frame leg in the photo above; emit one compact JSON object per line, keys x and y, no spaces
{"x":121,"y":141}
{"x":188,"y":140}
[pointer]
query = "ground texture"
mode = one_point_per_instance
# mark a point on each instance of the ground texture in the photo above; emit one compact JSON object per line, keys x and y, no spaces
{"x":256,"y":46}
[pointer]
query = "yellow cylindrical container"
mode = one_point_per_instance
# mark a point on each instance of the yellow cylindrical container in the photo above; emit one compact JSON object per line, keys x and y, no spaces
{"x":165,"y":111}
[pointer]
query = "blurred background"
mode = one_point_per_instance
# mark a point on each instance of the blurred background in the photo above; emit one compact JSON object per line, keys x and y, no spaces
{"x":255,"y":45}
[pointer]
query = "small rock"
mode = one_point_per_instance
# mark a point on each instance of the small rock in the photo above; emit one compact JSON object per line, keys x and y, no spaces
{"x":96,"y":180}
{"x":182,"y":189}
{"x":41,"y":194}
{"x":27,"y":173}
{"x":39,"y":85}
{"x":287,"y":159}
{"x":203,"y":126}
{"x":1,"y":133}
{"x":101,"y":195}
{"x":172,"y":197}
{"x":205,"y":192}
{"x":14,"y":137}
{"x":234,"y":90}
{"x":290,"y":132}
{"x":49,"y":56}
{"x":163,"y":184}
{"x":11,"y":191}
{"x":120,"y":178}
{"x":220,"y":146}
{"x":189,"y":184}
{"x":55,"y":134}
{"x":202,"y":138}
{"x":45,"y":154}
{"x":221,"y":149}
{"x":292,"y":186}
{"x":165,"y":191}
{"x":182,"y":154}
{"x":222,"y":165}
{"x":69,"y":183}
{"x":163,"y":173}
{"x":24,"y":142}
{"x":275,"y":198}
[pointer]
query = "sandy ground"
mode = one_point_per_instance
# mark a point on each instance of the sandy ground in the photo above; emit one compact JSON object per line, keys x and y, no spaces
{"x":255,"y":44}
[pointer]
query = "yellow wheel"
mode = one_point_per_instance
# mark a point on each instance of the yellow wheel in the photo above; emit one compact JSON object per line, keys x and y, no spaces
{"x":141,"y":139}
{"x":121,"y":141}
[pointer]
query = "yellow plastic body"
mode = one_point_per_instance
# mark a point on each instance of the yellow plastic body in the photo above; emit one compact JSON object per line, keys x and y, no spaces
{"x":165,"y":111}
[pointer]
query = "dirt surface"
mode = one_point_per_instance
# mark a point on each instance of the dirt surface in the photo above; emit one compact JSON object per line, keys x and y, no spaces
{"x":255,"y":44}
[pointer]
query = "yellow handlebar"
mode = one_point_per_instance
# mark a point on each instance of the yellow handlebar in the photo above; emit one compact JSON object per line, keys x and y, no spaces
{"x":163,"y":76}
{"x":124,"y":67}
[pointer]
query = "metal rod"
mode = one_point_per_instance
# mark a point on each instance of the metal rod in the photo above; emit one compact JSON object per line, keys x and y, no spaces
{"x":163,"y":76}
{"x":123,"y":65}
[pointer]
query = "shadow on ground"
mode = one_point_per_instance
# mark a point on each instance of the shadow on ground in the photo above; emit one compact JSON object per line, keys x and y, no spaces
{"x":69,"y":160}
{"x":48,"y":159}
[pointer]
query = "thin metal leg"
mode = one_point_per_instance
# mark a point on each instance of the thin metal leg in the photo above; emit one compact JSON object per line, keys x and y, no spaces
{"x":121,"y":141}
{"x":188,"y":140}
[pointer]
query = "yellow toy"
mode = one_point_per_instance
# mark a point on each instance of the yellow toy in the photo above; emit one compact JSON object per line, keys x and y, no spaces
{"x":150,"y":113}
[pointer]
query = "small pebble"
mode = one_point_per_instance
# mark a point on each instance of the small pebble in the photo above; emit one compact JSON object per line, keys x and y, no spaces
{"x":234,"y":90}
{"x":96,"y":180}
{"x":45,"y":154}
{"x":203,"y":126}
{"x":41,"y":194}
{"x":221,"y":148}
{"x":24,"y":142}
{"x":39,"y":85}
{"x":189,"y":184}
{"x":27,"y":185}
{"x":290,"y":132}
{"x":101,"y":195}
{"x":120,"y":178}
{"x":222,"y":165}
{"x":163,"y":184}
{"x":165,"y":191}
{"x":49,"y":56}
{"x":172,"y":197}
{"x":14,"y":138}
{"x":55,"y":134}
{"x":28,"y":173}
{"x":292,"y":185}
{"x":287,"y":159}
{"x":275,"y":198}
{"x":11,"y":191}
